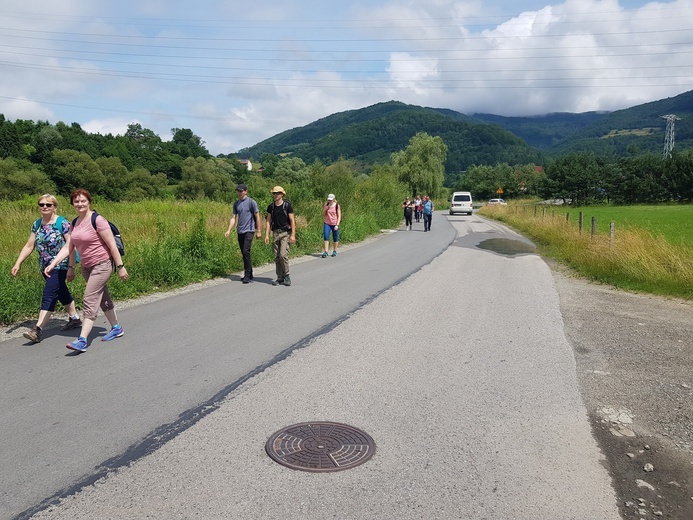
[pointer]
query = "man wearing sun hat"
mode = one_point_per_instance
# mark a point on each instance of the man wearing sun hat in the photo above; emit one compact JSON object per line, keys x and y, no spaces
{"x":248,"y":226}
{"x":280,"y":219}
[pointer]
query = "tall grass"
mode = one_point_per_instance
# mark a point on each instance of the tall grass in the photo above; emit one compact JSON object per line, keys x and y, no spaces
{"x":171,"y":244}
{"x":637,"y":259}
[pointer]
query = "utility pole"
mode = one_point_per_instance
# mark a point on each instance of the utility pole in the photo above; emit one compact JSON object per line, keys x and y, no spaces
{"x":669,"y":135}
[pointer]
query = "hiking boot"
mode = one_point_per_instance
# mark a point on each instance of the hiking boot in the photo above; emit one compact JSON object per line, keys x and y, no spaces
{"x":35,"y":334}
{"x":114,"y":333}
{"x":80,"y":344}
{"x":245,"y":279}
{"x":71,"y":323}
{"x":287,"y":280}
{"x":334,"y":253}
{"x":278,"y":281}
{"x":324,"y":255}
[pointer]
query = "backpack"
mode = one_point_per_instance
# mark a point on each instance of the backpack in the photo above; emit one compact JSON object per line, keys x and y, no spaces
{"x":284,"y":210}
{"x":114,"y":230}
{"x":58,"y":224}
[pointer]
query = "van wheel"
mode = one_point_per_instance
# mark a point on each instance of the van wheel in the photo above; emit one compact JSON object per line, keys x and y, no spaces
{"x":451,"y":213}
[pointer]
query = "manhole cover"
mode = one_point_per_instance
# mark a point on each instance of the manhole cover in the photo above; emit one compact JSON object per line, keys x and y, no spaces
{"x":320,"y":446}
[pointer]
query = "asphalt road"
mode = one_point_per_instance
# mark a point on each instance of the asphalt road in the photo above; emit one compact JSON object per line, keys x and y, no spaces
{"x":454,"y":358}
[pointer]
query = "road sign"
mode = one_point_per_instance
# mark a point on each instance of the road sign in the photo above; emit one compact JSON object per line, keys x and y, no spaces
{"x":499,"y":191}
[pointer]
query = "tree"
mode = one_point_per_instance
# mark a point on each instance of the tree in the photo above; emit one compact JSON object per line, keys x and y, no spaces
{"x":580,"y":177}
{"x":291,"y":169}
{"x":269,"y":162}
{"x":143,"y":185}
{"x":420,"y":165}
{"x":72,"y":169}
{"x":186,"y":144}
{"x":115,"y":177}
{"x":205,"y":178}
{"x":15,"y":181}
{"x":10,"y":145}
{"x":46,"y":140}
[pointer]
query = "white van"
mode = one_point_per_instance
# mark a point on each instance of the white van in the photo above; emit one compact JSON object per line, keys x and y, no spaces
{"x":461,"y":202}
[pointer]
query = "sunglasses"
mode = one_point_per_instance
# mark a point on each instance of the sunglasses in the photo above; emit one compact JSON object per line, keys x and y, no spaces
{"x":277,"y":193}
{"x":45,"y":204}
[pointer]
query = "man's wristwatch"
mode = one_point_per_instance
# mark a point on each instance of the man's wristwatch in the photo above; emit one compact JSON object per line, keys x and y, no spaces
{"x":119,"y":266}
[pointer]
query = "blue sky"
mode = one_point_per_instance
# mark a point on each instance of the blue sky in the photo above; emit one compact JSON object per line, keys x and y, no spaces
{"x":239,"y":72}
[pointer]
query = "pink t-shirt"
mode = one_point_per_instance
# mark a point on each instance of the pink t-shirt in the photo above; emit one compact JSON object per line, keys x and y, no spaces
{"x":92,"y":249}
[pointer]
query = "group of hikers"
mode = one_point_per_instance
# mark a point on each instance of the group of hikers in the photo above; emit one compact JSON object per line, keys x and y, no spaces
{"x":89,"y":240}
{"x":418,"y":208}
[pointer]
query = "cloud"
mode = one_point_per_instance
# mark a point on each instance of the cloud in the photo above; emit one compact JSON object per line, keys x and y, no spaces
{"x":236,"y":76}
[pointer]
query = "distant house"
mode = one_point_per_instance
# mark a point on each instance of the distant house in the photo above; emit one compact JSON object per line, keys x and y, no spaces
{"x":247,"y":164}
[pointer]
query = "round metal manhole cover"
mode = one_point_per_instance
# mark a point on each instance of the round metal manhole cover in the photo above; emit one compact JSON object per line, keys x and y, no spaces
{"x":320,"y":446}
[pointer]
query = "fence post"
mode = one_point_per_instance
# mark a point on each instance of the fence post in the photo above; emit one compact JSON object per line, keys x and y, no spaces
{"x":612,"y":229}
{"x":543,"y":212}
{"x":594,"y":226}
{"x":580,"y":223}
{"x":567,"y":217}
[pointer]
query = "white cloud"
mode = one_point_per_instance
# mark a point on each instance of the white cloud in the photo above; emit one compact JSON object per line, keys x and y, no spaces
{"x":237,"y":74}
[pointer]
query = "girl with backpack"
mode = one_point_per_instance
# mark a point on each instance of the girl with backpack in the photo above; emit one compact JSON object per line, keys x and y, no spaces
{"x":50,"y":235}
{"x":332,"y":214}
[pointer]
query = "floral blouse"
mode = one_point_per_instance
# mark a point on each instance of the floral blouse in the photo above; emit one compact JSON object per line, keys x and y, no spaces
{"x":50,"y":239}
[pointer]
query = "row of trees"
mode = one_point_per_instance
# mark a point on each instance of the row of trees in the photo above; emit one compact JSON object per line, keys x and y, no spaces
{"x":39,"y":158}
{"x":585,"y":178}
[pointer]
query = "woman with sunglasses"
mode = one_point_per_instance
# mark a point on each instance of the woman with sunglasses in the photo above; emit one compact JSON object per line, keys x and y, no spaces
{"x":49,"y":235}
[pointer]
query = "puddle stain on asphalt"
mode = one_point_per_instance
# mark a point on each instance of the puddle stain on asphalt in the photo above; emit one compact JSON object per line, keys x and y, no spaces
{"x":505,"y":246}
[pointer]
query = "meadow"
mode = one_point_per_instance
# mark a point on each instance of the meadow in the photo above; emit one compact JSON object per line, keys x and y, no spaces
{"x":168,"y":244}
{"x":651,"y":249}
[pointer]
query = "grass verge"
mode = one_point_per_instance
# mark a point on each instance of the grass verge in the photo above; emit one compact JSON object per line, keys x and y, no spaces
{"x":639,"y":257}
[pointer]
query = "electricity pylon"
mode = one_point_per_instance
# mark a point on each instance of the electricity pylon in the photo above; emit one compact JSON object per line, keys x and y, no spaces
{"x":669,"y":135}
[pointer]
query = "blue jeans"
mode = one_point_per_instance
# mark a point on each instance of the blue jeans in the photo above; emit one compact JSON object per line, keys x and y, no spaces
{"x":56,"y":290}
{"x":427,"y":221}
{"x":245,"y":241}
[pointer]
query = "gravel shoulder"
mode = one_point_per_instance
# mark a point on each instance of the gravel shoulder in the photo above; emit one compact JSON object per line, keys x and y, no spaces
{"x":634,"y":357}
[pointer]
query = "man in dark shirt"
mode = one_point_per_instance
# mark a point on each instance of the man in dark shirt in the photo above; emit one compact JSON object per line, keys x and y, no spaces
{"x":280,"y":219}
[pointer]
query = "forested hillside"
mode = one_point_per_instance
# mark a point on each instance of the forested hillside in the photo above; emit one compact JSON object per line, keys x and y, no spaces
{"x":637,"y":129}
{"x":373,"y":133}
{"x":546,"y":131}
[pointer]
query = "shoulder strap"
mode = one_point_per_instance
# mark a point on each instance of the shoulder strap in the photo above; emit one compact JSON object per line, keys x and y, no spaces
{"x":93,"y":219}
{"x":59,"y":223}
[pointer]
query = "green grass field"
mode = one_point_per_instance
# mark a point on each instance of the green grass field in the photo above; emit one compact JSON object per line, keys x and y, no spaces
{"x":672,"y":222}
{"x":651,"y":250}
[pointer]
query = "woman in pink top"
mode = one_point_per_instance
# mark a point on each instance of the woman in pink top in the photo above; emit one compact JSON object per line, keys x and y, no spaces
{"x":332,"y":214}
{"x":99,"y":256}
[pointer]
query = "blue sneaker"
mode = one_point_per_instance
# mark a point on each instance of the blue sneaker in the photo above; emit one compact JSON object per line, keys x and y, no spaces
{"x":334,"y":253}
{"x":80,"y":344}
{"x":324,"y":255}
{"x":114,"y":333}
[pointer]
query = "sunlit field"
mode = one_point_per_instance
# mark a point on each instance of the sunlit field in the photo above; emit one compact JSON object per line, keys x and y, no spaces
{"x":651,"y":249}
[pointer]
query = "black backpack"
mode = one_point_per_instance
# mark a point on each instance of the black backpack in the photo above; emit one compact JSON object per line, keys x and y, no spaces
{"x":114,"y":230}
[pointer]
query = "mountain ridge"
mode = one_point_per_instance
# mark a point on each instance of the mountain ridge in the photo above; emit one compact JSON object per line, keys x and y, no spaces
{"x":371,"y":134}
